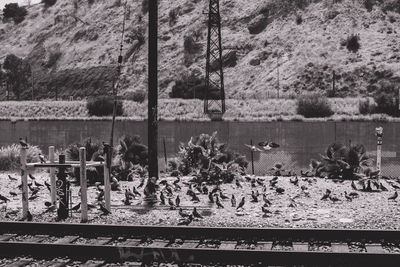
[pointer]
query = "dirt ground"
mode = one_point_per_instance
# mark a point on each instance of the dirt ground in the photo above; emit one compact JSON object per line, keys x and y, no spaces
{"x":369,"y":210}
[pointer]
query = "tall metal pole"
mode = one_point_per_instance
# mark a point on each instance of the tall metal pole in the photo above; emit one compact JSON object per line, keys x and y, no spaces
{"x":153,"y":88}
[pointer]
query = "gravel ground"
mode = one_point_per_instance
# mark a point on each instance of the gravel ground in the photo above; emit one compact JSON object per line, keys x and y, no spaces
{"x":369,"y":210}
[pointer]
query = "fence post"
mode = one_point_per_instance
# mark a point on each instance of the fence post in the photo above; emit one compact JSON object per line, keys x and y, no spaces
{"x":252,"y":157}
{"x":53,"y":191}
{"x":165,"y":155}
{"x":107,"y":167}
{"x":24,"y":181}
{"x":379,"y":135}
{"x":84,"y":207}
{"x":62,"y":211}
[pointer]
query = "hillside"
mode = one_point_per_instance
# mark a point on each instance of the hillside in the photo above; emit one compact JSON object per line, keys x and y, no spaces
{"x":73,"y":48}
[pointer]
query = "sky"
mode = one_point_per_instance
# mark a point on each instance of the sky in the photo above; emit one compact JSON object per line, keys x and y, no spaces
{"x":20,"y":2}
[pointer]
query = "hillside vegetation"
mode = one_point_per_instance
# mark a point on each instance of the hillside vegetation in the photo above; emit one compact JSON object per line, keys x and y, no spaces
{"x":73,"y":46}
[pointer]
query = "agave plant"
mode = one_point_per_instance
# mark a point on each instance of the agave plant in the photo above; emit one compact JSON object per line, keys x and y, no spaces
{"x":342,"y":161}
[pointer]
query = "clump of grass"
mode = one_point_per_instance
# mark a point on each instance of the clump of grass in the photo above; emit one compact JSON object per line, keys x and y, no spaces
{"x":314,"y":106}
{"x":10,"y":156}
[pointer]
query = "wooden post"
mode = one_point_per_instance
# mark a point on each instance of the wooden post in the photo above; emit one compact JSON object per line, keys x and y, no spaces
{"x":84,"y":206}
{"x":107,"y":186}
{"x":62,"y":211}
{"x":252,"y":157}
{"x":53,"y":191}
{"x":153,"y":88}
{"x":24,"y":181}
{"x":165,"y":155}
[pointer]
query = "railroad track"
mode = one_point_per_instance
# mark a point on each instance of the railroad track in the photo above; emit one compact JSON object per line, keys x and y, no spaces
{"x":270,"y":246}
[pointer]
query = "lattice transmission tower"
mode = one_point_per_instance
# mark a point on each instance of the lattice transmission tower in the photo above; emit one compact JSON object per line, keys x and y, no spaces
{"x":214,"y":101}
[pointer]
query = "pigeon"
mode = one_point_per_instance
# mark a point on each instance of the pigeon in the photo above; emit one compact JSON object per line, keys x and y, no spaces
{"x":47,"y":185}
{"x":268,"y":145}
{"x":265,"y":210}
{"x":294,"y":180}
{"x":241,"y":204}
{"x":177,"y":201}
{"x":204,"y":189}
{"x":233,"y":200}
{"x":135,"y":191}
{"x":326,"y":195}
{"x":76,"y":207}
{"x":182,"y":213}
{"x":171,"y":204}
{"x":13,"y":194}
{"x":42,"y":158}
{"x":280,"y":190}
{"x":254,"y":197}
{"x":223,"y":197}
{"x":211,"y":197}
{"x":186,"y":221}
{"x":267,"y":203}
{"x":353,"y":185}
{"x":395,"y":195}
{"x":31,"y":176}
{"x":196,"y":214}
{"x":238,"y":185}
{"x":38,"y":184}
{"x":12,"y":178}
{"x":218,"y":202}
{"x":104,"y":210}
{"x":23,"y":143}
{"x":162,"y":198}
{"x":349,"y":198}
{"x":33,"y":197}
{"x":334,"y":198}
{"x":253,"y":148}
{"x":29,"y":216}
{"x":382,"y":187}
{"x":195,"y":198}
{"x":3,"y":198}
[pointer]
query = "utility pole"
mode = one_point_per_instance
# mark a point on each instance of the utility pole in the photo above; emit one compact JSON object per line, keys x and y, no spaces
{"x":153,"y":88}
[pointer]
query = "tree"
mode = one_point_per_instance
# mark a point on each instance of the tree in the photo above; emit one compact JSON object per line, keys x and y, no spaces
{"x":15,"y":12}
{"x":18,"y":73}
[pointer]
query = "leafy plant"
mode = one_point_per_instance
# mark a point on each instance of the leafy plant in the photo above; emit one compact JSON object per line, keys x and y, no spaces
{"x":94,"y":152}
{"x":103,"y":106}
{"x":340,"y":161}
{"x":15,"y":12}
{"x":353,"y":43}
{"x":10,"y":156}
{"x":314,"y":106}
{"x":18,"y":73}
{"x":208,"y":159}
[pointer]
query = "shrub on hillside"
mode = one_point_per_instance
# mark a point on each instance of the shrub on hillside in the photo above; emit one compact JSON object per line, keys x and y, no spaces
{"x":136,"y":96}
{"x":103,"y":106}
{"x":192,"y":87}
{"x":369,"y":4}
{"x":387,"y":104}
{"x":48,"y":3}
{"x":353,"y":43}
{"x":15,"y":12}
{"x":299,"y":19}
{"x":10,"y":156}
{"x":366,"y":106}
{"x":53,"y":59}
{"x":94,"y":151}
{"x":391,"y":5}
{"x":314,"y":106}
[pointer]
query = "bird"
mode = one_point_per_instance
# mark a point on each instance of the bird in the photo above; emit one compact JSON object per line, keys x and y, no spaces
{"x":12,"y":178}
{"x":253,"y":148}
{"x":48,"y":204}
{"x":238,"y":185}
{"x":268,"y":145}
{"x":3,"y":198}
{"x":265,"y":210}
{"x":33,"y":197}
{"x":195,"y":198}
{"x":267,"y":202}
{"x":186,"y":221}
{"x":280,"y":190}
{"x":171,"y":204}
{"x":241,"y":204}
{"x":31,"y":176}
{"x":334,"y":198}
{"x":218,"y":202}
{"x":42,"y":158}
{"x":182,"y":213}
{"x":104,"y":210}
{"x":349,"y":198}
{"x":76,"y":207}
{"x":233,"y":200}
{"x":196,"y":214}
{"x":13,"y":193}
{"x":177,"y":201}
{"x":47,"y":185}
{"x":38,"y":184}
{"x":29,"y":216}
{"x":23,"y":143}
{"x":135,"y":191}
{"x":223,"y":197}
{"x":294,"y":180}
{"x":353,"y":185}
{"x":395,"y":195}
{"x":211,"y":197}
{"x":326,"y":195}
{"x":382,"y":187}
{"x":162,"y":198}
{"x":254,"y":197}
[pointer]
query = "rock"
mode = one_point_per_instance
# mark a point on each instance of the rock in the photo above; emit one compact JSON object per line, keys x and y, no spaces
{"x":254,"y":62}
{"x":258,"y":24}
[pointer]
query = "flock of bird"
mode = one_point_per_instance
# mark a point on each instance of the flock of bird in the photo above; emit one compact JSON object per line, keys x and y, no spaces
{"x":169,"y":192}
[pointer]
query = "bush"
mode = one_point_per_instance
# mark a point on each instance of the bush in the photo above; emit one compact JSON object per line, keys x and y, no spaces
{"x":103,"y":106}
{"x":137,"y":96}
{"x":365,"y":106}
{"x":10,"y":157}
{"x":94,"y":149}
{"x":192,"y":87}
{"x":369,"y":4}
{"x":314,"y":106}
{"x":53,"y":58}
{"x":15,"y":12}
{"x":353,"y":43}
{"x":387,"y":104}
{"x":48,"y":3}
